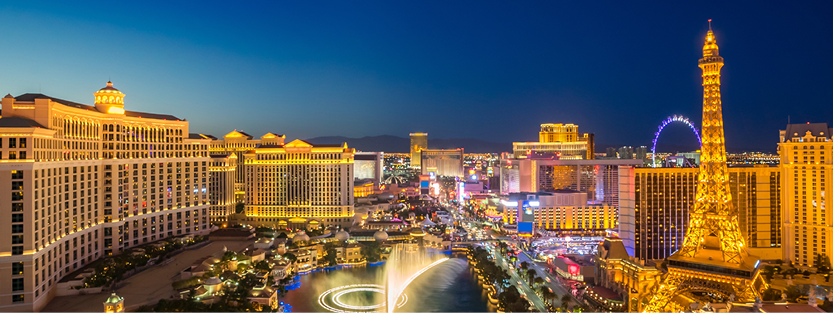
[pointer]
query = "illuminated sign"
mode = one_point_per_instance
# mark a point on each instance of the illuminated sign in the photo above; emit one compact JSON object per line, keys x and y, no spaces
{"x":424,"y":184}
{"x":525,"y":227}
{"x":573,"y":269}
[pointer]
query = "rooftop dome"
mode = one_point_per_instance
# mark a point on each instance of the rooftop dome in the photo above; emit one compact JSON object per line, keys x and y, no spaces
{"x":114,"y":298}
{"x":342,"y":236}
{"x":380,"y":235}
{"x":109,"y":87}
{"x":213,"y":281}
{"x":300,"y":236}
{"x":417,"y":232}
{"x":109,"y":99}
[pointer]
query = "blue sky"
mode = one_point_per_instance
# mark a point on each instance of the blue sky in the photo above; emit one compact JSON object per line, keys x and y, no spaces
{"x":461,"y":69}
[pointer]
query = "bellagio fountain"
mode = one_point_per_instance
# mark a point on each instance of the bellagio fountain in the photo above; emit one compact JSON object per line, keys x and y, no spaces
{"x":406,"y":262}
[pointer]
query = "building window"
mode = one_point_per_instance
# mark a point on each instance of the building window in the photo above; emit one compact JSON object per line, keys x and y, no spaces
{"x":12,"y":142}
{"x":17,"y":229}
{"x":17,"y":250}
{"x":17,"y":284}
{"x":17,"y":298}
{"x":17,"y":239}
{"x":17,"y":218}
{"x":17,"y":268}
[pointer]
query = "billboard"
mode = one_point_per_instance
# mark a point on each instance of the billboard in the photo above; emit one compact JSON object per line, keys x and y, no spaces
{"x":525,"y":228}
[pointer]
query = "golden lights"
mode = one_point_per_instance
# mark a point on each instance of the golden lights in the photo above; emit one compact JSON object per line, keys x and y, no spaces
{"x":713,"y":212}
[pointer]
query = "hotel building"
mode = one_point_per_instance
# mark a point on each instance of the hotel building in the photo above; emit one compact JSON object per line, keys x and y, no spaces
{"x":442,"y":162}
{"x":222,"y":172}
{"x":566,"y":211}
{"x":654,"y":224}
{"x":622,"y":275}
{"x":299,"y":185}
{"x":419,"y":142}
{"x":562,"y":141}
{"x":806,"y":154}
{"x":86,"y":181}
{"x":238,"y":143}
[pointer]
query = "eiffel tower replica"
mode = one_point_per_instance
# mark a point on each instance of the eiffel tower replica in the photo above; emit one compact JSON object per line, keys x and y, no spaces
{"x":714,"y":258}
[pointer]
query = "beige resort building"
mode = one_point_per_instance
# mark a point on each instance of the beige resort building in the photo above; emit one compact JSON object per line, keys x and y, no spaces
{"x":85,"y":181}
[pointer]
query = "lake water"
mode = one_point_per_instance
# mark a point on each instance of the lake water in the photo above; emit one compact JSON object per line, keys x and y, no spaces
{"x":448,"y":287}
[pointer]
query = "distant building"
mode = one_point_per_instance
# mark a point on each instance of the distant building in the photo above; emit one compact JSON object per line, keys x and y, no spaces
{"x":597,"y":178}
{"x":238,"y":143}
{"x":299,"y":185}
{"x":626,"y":152}
{"x":558,"y":141}
{"x":222,"y":172}
{"x":561,"y":210}
{"x":611,"y":153}
{"x":442,"y":162}
{"x":368,"y":165}
{"x":641,"y":153}
{"x":419,"y":142}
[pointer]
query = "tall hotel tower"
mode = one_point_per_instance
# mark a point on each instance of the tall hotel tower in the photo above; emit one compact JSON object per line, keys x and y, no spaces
{"x":86,"y":181}
{"x":807,"y":219}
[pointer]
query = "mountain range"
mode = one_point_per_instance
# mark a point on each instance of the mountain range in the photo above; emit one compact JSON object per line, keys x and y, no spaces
{"x":394,"y":144}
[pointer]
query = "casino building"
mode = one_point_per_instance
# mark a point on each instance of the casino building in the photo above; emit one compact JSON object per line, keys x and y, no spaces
{"x":299,"y":185}
{"x":85,"y":181}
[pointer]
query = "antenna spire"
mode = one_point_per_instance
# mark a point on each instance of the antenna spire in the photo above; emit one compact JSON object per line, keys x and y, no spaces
{"x":710,"y":24}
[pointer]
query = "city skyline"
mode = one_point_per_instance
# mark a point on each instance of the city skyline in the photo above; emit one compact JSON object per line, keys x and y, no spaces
{"x":376,"y":70}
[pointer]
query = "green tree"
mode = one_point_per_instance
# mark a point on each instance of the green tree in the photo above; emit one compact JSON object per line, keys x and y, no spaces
{"x":263,"y":266}
{"x":530,"y":274}
{"x":372,"y":251}
{"x":793,"y":293}
{"x":771,"y":295}
{"x":822,"y":263}
{"x":330,"y":256}
{"x":291,"y":256}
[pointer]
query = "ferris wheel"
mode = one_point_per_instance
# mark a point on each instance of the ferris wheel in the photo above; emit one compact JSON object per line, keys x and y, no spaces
{"x":669,"y":120}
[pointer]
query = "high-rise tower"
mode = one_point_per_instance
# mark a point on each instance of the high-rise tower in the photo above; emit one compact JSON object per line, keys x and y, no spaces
{"x":713,"y":258}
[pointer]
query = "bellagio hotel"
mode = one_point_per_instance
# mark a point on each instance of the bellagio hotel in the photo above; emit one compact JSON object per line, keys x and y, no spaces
{"x":85,"y":181}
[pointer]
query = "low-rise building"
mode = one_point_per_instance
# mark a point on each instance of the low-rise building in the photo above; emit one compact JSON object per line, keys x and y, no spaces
{"x":306,"y":259}
{"x":630,"y":279}
{"x":575,"y":267}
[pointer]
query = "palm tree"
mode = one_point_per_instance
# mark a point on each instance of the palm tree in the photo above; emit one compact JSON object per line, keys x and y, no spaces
{"x":565,"y":301}
{"x":539,"y":281}
{"x":547,"y":295}
{"x":530,"y":273}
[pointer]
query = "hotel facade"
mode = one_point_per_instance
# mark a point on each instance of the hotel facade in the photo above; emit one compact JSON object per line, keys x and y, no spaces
{"x":806,"y":153}
{"x":654,"y":224}
{"x":299,"y":185}
{"x":86,"y":181}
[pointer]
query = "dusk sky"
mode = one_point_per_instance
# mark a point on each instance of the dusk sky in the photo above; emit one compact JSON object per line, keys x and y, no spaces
{"x":486,"y":70}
